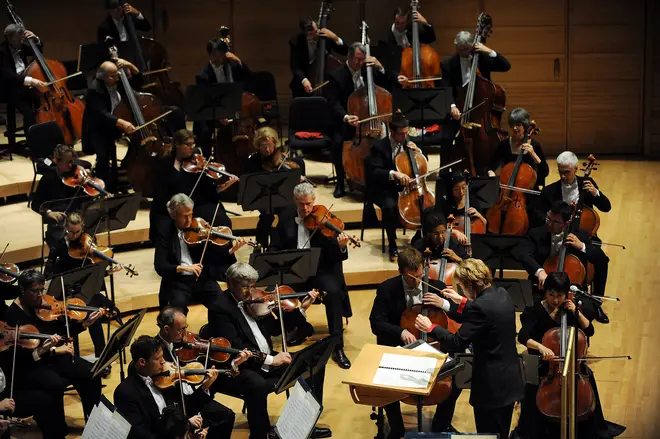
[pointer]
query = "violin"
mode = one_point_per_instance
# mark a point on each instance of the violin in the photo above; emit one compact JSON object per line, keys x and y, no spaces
{"x":218,"y":348}
{"x":52,"y":309}
{"x":199,"y":231}
{"x":327,"y":223}
{"x":192,"y":373}
{"x":509,"y":214}
{"x":262,"y":303}
{"x":85,"y":248}
{"x":416,"y":196}
{"x":419,"y":61}
{"x":29,"y":336}
{"x":280,"y":160}
{"x":81,"y":177}
{"x":196,"y":164}
{"x":8,"y":272}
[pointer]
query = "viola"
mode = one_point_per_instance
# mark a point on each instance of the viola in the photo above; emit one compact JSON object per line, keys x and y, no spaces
{"x":29,"y":336}
{"x":509,"y":214}
{"x":200,"y":229}
{"x":85,"y":248}
{"x":192,"y":373}
{"x":218,"y":348}
{"x":82,"y":178}
{"x":196,"y":164}
{"x":327,"y":224}
{"x":52,"y":309}
{"x":57,"y":104}
{"x":419,"y":61}
{"x":8,"y":272}
{"x":373,"y":107}
{"x":416,"y":196}
{"x":262,"y":303}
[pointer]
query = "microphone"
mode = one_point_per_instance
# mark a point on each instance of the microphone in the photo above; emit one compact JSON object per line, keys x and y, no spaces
{"x":576,"y":290}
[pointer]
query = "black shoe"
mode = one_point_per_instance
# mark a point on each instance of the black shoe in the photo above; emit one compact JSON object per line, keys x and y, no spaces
{"x":299,"y":335}
{"x":394,"y":254}
{"x":339,"y":191}
{"x":601,"y":317}
{"x":105,"y":373}
{"x":341,"y":359}
{"x":320,"y":432}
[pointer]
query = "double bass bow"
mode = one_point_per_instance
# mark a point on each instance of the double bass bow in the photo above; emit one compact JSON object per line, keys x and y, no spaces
{"x":367,"y":103}
{"x":420,"y":63}
{"x":57,"y":104}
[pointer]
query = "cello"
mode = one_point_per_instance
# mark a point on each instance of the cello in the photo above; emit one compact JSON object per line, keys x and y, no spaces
{"x":467,"y":224}
{"x":149,"y":142}
{"x":324,"y":61}
{"x":57,"y":104}
{"x":151,"y":59}
{"x":420,"y":61}
{"x":509,"y":214}
{"x":416,"y":196}
{"x":365,"y":103}
{"x":566,"y":262}
{"x":589,"y":220}
{"x":481,"y":124}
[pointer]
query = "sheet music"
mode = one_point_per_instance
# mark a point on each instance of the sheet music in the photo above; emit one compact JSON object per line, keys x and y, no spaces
{"x":425,"y":347}
{"x":103,"y":423}
{"x":299,"y":415}
{"x":405,"y":371}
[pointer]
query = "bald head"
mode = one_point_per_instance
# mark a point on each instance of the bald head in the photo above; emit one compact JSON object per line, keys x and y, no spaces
{"x":108,"y":73}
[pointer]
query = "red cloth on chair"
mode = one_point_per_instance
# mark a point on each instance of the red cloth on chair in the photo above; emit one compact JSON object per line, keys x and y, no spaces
{"x":433,"y":129}
{"x":307,"y":135}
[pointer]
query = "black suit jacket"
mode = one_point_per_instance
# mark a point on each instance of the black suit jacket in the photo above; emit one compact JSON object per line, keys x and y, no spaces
{"x":107,"y":28}
{"x":489,"y":324}
{"x":379,"y":163}
{"x":451,"y":68}
{"x":299,"y":60}
{"x":239,"y":73}
{"x":552,"y":193}
{"x":285,"y":237}
{"x":426,"y":35}
{"x":10,"y":81}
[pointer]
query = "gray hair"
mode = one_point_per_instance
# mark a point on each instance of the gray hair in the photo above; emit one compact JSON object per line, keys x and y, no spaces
{"x":13,"y":29}
{"x":519,"y":116}
{"x":463,"y":37}
{"x":242,"y":273}
{"x":102,"y":71}
{"x":567,"y":158}
{"x":167,"y":316}
{"x":177,"y":201}
{"x":355,"y":47}
{"x":303,"y":190}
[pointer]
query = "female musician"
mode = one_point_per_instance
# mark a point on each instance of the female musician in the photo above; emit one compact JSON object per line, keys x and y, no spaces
{"x":434,"y":226}
{"x":454,"y":205}
{"x":266,"y":141}
{"x":489,"y":325}
{"x":536,"y":321}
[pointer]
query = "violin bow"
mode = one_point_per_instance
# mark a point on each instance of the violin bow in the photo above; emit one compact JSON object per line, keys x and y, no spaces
{"x":17,"y":329}
{"x":66,"y":313}
{"x":316,"y":230}
{"x":206,"y":165}
{"x":3,"y":252}
{"x":208,"y":353}
{"x":279,"y":307}
{"x":208,"y":235}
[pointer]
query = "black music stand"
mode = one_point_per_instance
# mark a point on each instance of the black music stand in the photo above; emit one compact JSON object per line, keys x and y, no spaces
{"x":484,"y":191}
{"x":424,"y":106}
{"x":85,"y":282}
{"x":116,"y":345}
{"x":286,"y":266}
{"x":520,"y":291}
{"x":529,"y":369}
{"x":60,"y":205}
{"x":91,"y":56}
{"x":267,"y":191}
{"x":497,"y":251}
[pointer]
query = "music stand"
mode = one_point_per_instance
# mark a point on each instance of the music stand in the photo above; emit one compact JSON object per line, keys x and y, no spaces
{"x":286,"y":266}
{"x":497,"y":251}
{"x":119,"y":341}
{"x":60,"y":205}
{"x":91,"y":56}
{"x":266,"y":191}
{"x":520,"y":291}
{"x":529,"y":369}
{"x":85,"y":282}
{"x":424,"y":106}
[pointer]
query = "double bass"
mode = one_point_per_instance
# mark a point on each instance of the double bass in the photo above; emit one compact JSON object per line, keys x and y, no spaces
{"x":482,"y":103}
{"x":367,"y":103}
{"x":420,"y":61}
{"x":324,"y":61}
{"x":56,"y":104}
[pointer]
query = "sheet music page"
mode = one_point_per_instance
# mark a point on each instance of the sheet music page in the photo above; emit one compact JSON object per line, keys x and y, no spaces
{"x":93,"y":428}
{"x":119,"y":427}
{"x":405,"y":371}
{"x":299,"y":415}
{"x":425,"y":347}
{"x":105,"y":424}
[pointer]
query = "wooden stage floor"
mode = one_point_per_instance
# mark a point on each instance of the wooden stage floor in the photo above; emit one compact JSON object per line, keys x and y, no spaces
{"x":629,"y":390}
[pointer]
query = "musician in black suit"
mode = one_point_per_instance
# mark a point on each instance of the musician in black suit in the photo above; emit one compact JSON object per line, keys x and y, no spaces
{"x":291,"y":233}
{"x":545,"y":241}
{"x":489,"y":326}
{"x":400,"y":34}
{"x":342,"y":82}
{"x":393,"y":297}
{"x":114,"y":24}
{"x":232,"y":320}
{"x":184,"y":277}
{"x":14,"y":84}
{"x":304,"y":51}
{"x":142,"y":403}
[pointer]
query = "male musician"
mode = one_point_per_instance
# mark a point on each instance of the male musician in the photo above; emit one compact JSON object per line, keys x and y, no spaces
{"x":545,"y":241}
{"x":101,"y":128}
{"x":53,"y":366}
{"x":291,"y":233}
{"x":393,"y":297}
{"x":384,"y":182}
{"x":400,"y":34}
{"x":570,"y":187}
{"x":434,"y":226}
{"x":304,"y":52}
{"x":342,"y":82}
{"x":231,"y":319}
{"x":114,"y":24}
{"x":489,"y":326}
{"x":139,"y":400}
{"x":14,"y":84}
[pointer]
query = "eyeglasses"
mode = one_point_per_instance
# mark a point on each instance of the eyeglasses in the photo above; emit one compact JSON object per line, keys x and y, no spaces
{"x":188,"y":144}
{"x":549,"y":220}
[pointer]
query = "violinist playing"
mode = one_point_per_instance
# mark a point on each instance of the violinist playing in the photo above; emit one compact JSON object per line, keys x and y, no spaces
{"x":114,"y":24}
{"x":53,"y":366}
{"x":434,"y":226}
{"x":184,"y":277}
{"x":141,"y":402}
{"x":536,"y":321}
{"x":304,"y":52}
{"x":290,"y":234}
{"x":400,"y":34}
{"x":545,"y":241}
{"x":14,"y":85}
{"x":269,"y":157}
{"x":232,"y":319}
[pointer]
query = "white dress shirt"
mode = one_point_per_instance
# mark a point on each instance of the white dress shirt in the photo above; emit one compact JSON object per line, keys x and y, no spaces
{"x":186,"y":259}
{"x":187,"y":388}
{"x":155,"y":392}
{"x":20,"y":65}
{"x":121,"y":28}
{"x":221,"y":75}
{"x":3,"y":381}
{"x":303,"y":234}
{"x":466,"y":65}
{"x":115,"y":97}
{"x":262,"y":343}
{"x":570,"y":193}
{"x":396,"y":149}
{"x":358,"y":81}
{"x":415,"y":296}
{"x":312,"y":50}
{"x":400,"y":37}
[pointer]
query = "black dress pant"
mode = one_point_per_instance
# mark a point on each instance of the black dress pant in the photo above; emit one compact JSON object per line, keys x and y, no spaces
{"x":388,"y":206}
{"x":184,"y":290}
{"x":600,"y":276}
{"x":494,"y":420}
{"x":23,"y":101}
{"x":47,"y":408}
{"x":217,"y":417}
{"x":337,"y":157}
{"x":106,"y":162}
{"x":265,"y":223}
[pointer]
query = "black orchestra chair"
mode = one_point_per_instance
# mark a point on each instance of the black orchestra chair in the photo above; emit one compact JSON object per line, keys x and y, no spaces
{"x":309,"y":124}
{"x":42,"y":139}
{"x":265,"y":89}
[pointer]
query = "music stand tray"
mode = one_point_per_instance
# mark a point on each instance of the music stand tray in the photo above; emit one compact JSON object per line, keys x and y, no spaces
{"x":286,"y":266}
{"x":88,"y":278}
{"x":520,"y":291}
{"x":213,"y":101}
{"x":111,"y":214}
{"x":91,"y":56}
{"x":119,"y":341}
{"x":266,"y":191}
{"x":424,"y":106}
{"x":497,"y":251}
